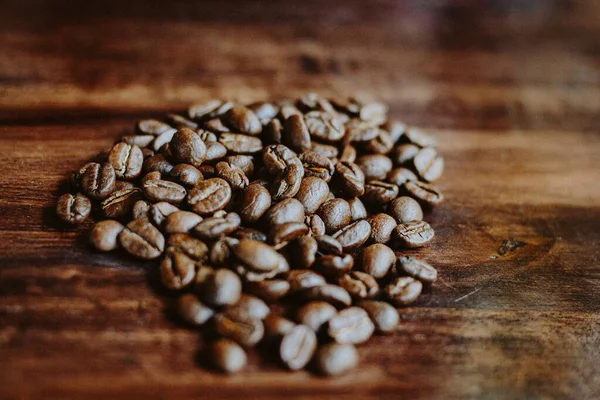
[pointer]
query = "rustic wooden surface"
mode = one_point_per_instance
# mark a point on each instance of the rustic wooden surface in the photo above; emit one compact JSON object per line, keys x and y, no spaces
{"x":511,"y":89}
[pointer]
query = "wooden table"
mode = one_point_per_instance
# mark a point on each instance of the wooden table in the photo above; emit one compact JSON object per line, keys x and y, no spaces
{"x":512,"y":91}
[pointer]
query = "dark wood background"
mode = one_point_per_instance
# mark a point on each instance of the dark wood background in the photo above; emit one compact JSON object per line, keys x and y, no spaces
{"x":510,"y":88}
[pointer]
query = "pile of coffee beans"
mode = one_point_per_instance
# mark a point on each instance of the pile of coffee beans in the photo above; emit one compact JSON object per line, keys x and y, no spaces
{"x":278,"y":224}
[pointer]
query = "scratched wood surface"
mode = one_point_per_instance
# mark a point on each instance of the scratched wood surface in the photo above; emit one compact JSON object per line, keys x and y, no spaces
{"x":511,"y":89}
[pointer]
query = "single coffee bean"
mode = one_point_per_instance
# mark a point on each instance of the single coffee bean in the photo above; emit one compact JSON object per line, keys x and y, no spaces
{"x":336,"y":359}
{"x":191,"y":247}
{"x":332,"y":294}
{"x":373,"y":111}
{"x":243,"y":162}
{"x":335,"y":214}
{"x":75,"y":178}
{"x":329,"y":245}
{"x":160,"y":190}
{"x":418,"y":137}
{"x":360,"y":285}
{"x":334,"y":266}
{"x":315,"y":314}
{"x":232,"y":175}
{"x":324,"y":126}
{"x":208,"y":171}
{"x":220,"y":252}
{"x":380,"y":144}
{"x":360,"y":131}
{"x":348,"y":154}
{"x":295,"y":134}
{"x":399,"y":176}
{"x":317,"y":165}
{"x":282,"y":234}
{"x":98,"y":181}
{"x":215,"y":125}
{"x":127,"y":160}
{"x":240,"y":144}
{"x":120,"y":202}
{"x":181,"y":222}
{"x":228,"y":356}
{"x":405,"y":209}
{"x":256,"y":255}
{"x":427,"y":195}
{"x":276,"y":326}
{"x":298,"y":347}
{"x":300,"y":279}
{"x":273,"y":132}
{"x":163,"y":139}
{"x":104,"y":235}
{"x":315,"y":224}
{"x":151,"y":127}
{"x":208,"y":109}
{"x":121,"y":185}
{"x":192,"y":310}
{"x":249,"y":233}
{"x":382,"y":226}
{"x":304,"y":251}
{"x":351,"y":325}
{"x":141,"y":239}
{"x":73,"y":209}
{"x":287,"y":183}
{"x":187,"y":147}
{"x":403,"y":291}
{"x":179,"y":121}
{"x":186,"y":174}
{"x":265,"y":111}
{"x":269,"y":290}
{"x":160,"y":211}
{"x":243,"y":120}
{"x":312,"y":194}
{"x":429,"y":164}
{"x":209,"y":196}
{"x":252,"y":306}
{"x":215,"y":151}
{"x":404,"y":153}
{"x":353,"y":235}
{"x":254,"y":203}
{"x":377,"y":259}
{"x":396,"y":129}
{"x":177,"y":270}
{"x":417,"y":269}
{"x":327,"y":150}
{"x":374,"y":166}
{"x":384,"y":316}
{"x":151,"y":176}
{"x":286,"y":110}
{"x":350,"y":178}
{"x":157,"y":163}
{"x":314,"y":102}
{"x":378,"y":192}
{"x":357,"y":209}
{"x":222,"y":288}
{"x":278,"y":157}
{"x":215,"y":227}
{"x":288,"y":210}
{"x":207,"y":137}
{"x":413,"y":234}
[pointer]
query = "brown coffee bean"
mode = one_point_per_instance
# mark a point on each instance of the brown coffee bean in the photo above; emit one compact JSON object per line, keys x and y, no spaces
{"x":98,"y":181}
{"x":399,"y":176}
{"x":332,"y":294}
{"x":250,"y":233}
{"x":151,"y":127}
{"x":243,"y":162}
{"x":413,"y":234}
{"x":252,"y":306}
{"x":298,"y":347}
{"x":120,"y":202}
{"x":186,"y":174}
{"x":283,"y":233}
{"x":221,"y":288}
{"x":187,"y":147}
{"x":348,"y":154}
{"x":232,"y":175}
{"x":122,"y":185}
{"x":273,"y":132}
{"x":214,"y":227}
{"x":288,"y":210}
{"x":207,"y":137}
{"x":177,"y":270}
{"x":241,"y":144}
{"x":228,"y":356}
{"x":335,"y":214}
{"x":278,"y":157}
{"x":360,"y":131}
{"x":334,"y":266}
{"x":295,"y":134}
{"x":417,"y":269}
{"x":256,"y":255}
{"x":373,"y":111}
{"x":286,"y":110}
{"x":208,"y":109}
{"x":351,"y":325}
{"x":328,"y":245}
{"x":396,"y":129}
{"x":314,"y":102}
{"x":315,"y":224}
{"x":418,"y":137}
{"x":350,"y":178}
{"x":336,"y":359}
{"x":104,"y":235}
{"x":181,"y":222}
{"x":191,"y":247}
{"x":300,"y":279}
{"x":427,"y":195}
{"x":141,"y":239}
{"x":382,"y":226}
{"x":304,"y":251}
{"x":403,"y":291}
{"x":141,"y":210}
{"x":192,"y":310}
{"x":243,"y":120}
{"x":404,"y":153}
{"x":215,"y":125}
{"x":151,"y":176}
{"x":127,"y":160}
{"x":255,"y":201}
{"x":405,"y":209}
{"x":160,"y":211}
{"x":326,"y":150}
{"x":428,"y":164}
{"x":269,"y":290}
{"x":374,"y":166}
{"x":324,"y":126}
{"x":353,"y":235}
{"x":380,"y":144}
{"x":276,"y":326}
{"x":163,"y":140}
{"x":157,"y":163}
{"x":317,"y":165}
{"x":287,"y":183}
{"x":220,"y":252}
{"x":377,"y":259}
{"x":179,"y":121}
{"x":209,"y":196}
{"x":160,"y":190}
{"x":315,"y":314}
{"x":73,"y":209}
{"x":265,"y":111}
{"x":378,"y":192}
{"x":384,"y":316}
{"x":239,"y":327}
{"x":215,"y":151}
{"x":357,"y":209}
{"x":360,"y":285}
{"x":312,"y":193}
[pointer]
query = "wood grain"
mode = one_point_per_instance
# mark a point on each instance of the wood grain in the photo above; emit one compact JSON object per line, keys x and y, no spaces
{"x":511,"y":90}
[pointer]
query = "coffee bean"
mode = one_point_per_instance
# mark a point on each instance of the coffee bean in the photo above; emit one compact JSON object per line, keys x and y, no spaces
{"x":295,"y":134}
{"x":287,"y":183}
{"x":243,"y":162}
{"x":208,"y":109}
{"x":418,"y":137}
{"x":304,"y":251}
{"x":151,"y":127}
{"x":179,"y":121}
{"x":220,"y":252}
{"x":160,"y":190}
{"x":151,"y":176}
{"x":221,"y":288}
{"x":328,"y":245}
{"x":360,"y":285}
{"x":324,"y":126}
{"x":192,"y":310}
{"x":360,"y":131}
{"x":332,"y":265}
{"x":215,"y":151}
{"x":297,"y":347}
{"x":405,"y":209}
{"x":332,"y":294}
{"x":374,"y":112}
{"x":278,"y":157}
{"x":381,"y":144}
{"x":382,"y":226}
{"x":98,"y":181}
{"x":316,"y":165}
{"x":255,"y":201}
{"x":335,"y":214}
{"x":315,"y":224}
{"x":104,"y":235}
{"x":181,"y":222}
{"x":413,"y":234}
{"x":265,"y":111}
{"x":378,"y":192}
{"x":215,"y":227}
{"x":417,"y":269}
{"x":187,"y":147}
{"x":120,"y":202}
{"x":374,"y":166}
{"x":276,"y":326}
{"x":273,"y":132}
{"x":228,"y":356}
{"x":300,"y":279}
{"x":269,"y":290}
{"x":252,"y":306}
{"x":288,"y":210}
{"x":427,"y":195}
{"x":326,"y":150}
{"x":207,"y":137}
{"x":403,"y":291}
{"x":141,"y":239}
{"x":163,"y":139}
{"x":283,"y":233}
{"x":384,"y":316}
{"x":312,"y":193}
{"x":127,"y":160}
{"x":209,"y":196}
{"x":404,"y":153}
{"x":314,"y":102}
{"x":256,"y":255}
{"x":186,"y":174}
{"x":350,"y":178}
{"x":336,"y":359}
{"x":232,"y":175}
{"x":315,"y":314}
{"x":73,"y":209}
{"x":122,"y":185}
{"x":399,"y":176}
{"x":357,"y":209}
{"x":351,"y":325}
{"x":243,"y":120}
{"x":396,"y":129}
{"x":348,"y":154}
{"x":208,"y":171}
{"x":191,"y":247}
{"x":240,"y":144}
{"x":377,"y":259}
{"x":353,"y":235}
{"x":250,"y":233}
{"x":215,"y":125}
{"x":160,"y":211}
{"x":287,"y":110}
{"x":428,"y":164}
{"x":177,"y":270}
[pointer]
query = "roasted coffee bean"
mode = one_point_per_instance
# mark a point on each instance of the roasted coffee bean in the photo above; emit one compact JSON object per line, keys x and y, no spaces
{"x":104,"y":235}
{"x":336,"y":359}
{"x":399,"y":176}
{"x":120,"y":202}
{"x":334,"y":266}
{"x":127,"y":160}
{"x":187,"y":147}
{"x":418,"y":137}
{"x":177,"y":270}
{"x":239,"y":327}
{"x":250,"y":233}
{"x":360,"y":131}
{"x":181,"y":222}
{"x":163,"y":139}
{"x":295,"y":134}
{"x":269,"y":290}
{"x":214,"y":227}
{"x":315,"y":224}
{"x":287,"y":183}
{"x":220,"y":252}
{"x":357,"y":209}
{"x":208,"y":109}
{"x":396,"y":129}
{"x":121,"y":185}
{"x":360,"y":285}
{"x":298,"y":347}
{"x":151,"y":176}
{"x":243,"y":120}
{"x":405,"y":209}
{"x":207,"y":136}
{"x":160,"y":190}
{"x":151,"y":127}
{"x":255,"y":202}
{"x":374,"y":166}
{"x":304,"y":251}
{"x":328,"y":245}
{"x":192,"y":310}
{"x":413,"y":234}
{"x":335,"y":214}
{"x":228,"y":356}
{"x":326,"y":150}
{"x":373,"y":111}
{"x":186,"y":174}
{"x":243,"y":162}
{"x":265,"y":111}
{"x":315,"y":314}
{"x":208,"y":171}
{"x":256,"y":255}
{"x":382,"y":226}
{"x":75,"y":178}
{"x":348,"y":154}
{"x":384,"y":316}
{"x":273,"y":132}
{"x":252,"y":306}
{"x":160,"y":211}
{"x":314,"y":102}
{"x":332,"y":294}
{"x":324,"y":126}
{"x":278,"y":157}
{"x":240,"y":144}
{"x":98,"y":181}
{"x":202,"y":274}
{"x":221,"y":288}
{"x":403,"y":291}
{"x":215,"y":151}
{"x":209,"y":196}
{"x":179,"y":121}
{"x":404,"y":153}
{"x":300,"y":279}
{"x":215,"y":125}
{"x":427,"y":195}
{"x":158,"y":163}
{"x":377,"y":259}
{"x":232,"y":175}
{"x":351,"y":325}
{"x":429,"y":164}
{"x":283,"y":233}
{"x":353,"y":235}
{"x":317,"y":165}
{"x":191,"y":247}
{"x":350,"y":178}
{"x":381,"y":144}
{"x":312,"y":194}
{"x":73,"y":209}
{"x":288,"y":210}
{"x":141,"y":239}
{"x":147,"y":153}
{"x":287,"y":110}
{"x":378,"y":192}
{"x":276,"y":326}
{"x":417,"y":269}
